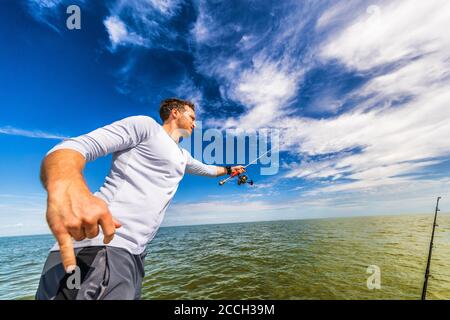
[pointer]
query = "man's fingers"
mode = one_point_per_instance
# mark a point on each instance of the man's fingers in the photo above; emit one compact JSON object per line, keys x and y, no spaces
{"x":76,"y":230}
{"x":67,"y":253}
{"x":106,"y":221}
{"x":117,"y":224}
{"x":239,"y":169}
{"x":91,"y":230}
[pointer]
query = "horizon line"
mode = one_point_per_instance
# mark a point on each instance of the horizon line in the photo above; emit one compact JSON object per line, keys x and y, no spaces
{"x":253,"y":221}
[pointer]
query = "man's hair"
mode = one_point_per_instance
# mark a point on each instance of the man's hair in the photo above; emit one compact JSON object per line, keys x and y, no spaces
{"x":172,"y":103}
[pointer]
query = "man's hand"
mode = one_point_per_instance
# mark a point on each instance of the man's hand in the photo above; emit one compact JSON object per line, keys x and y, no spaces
{"x":75,"y":213}
{"x":72,"y":210}
{"x":238,"y":169}
{"x":221,"y":171}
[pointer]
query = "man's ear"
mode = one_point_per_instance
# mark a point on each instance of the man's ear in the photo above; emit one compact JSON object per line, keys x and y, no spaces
{"x":175,"y":112}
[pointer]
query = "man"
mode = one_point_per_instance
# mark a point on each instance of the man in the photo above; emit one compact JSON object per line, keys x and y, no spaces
{"x":147,"y":166}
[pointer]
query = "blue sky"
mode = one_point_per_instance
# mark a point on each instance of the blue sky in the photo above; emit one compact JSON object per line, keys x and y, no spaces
{"x":357,"y":89}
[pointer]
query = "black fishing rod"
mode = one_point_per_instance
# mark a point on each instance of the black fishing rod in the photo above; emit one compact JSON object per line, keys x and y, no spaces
{"x":427,"y":271}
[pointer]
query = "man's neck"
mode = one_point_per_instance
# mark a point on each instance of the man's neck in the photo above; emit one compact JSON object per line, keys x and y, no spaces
{"x":171,"y":129}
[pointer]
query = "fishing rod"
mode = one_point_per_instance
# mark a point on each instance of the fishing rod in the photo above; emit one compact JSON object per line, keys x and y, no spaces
{"x":243,"y":179}
{"x":427,"y":271}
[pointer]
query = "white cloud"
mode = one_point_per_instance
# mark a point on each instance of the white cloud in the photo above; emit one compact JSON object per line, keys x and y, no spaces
{"x":418,"y":77}
{"x":30,"y":134}
{"x":332,"y":14}
{"x":395,"y":31}
{"x":393,"y":141}
{"x":244,"y":58}
{"x":142,"y":23}
{"x":404,"y":195}
{"x":116,"y":29}
{"x":119,"y":35}
{"x":264,"y":90}
{"x":166,"y":7}
{"x":202,"y":29}
{"x":209,"y":28}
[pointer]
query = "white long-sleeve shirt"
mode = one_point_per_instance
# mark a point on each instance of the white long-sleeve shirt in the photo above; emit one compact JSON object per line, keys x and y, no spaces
{"x":147,"y":166}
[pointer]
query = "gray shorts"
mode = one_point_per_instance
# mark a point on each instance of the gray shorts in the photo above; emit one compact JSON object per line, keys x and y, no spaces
{"x":103,"y":272}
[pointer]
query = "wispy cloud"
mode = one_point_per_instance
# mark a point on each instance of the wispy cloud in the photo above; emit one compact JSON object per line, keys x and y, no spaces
{"x":142,"y":23}
{"x":30,"y":133}
{"x":264,"y":89}
{"x":119,"y":35}
{"x":391,"y":32}
{"x":244,"y":56}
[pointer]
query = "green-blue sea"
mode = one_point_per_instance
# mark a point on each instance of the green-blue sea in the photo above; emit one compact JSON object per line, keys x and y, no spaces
{"x":296,"y":259}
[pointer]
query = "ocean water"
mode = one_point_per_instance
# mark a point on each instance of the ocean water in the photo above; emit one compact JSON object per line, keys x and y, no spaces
{"x":297,"y":259}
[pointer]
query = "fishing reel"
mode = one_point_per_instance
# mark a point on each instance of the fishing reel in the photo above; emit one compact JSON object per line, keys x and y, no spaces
{"x":243,"y":179}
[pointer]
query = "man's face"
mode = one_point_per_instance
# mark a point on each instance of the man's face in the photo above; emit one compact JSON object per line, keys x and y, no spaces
{"x":186,"y":120}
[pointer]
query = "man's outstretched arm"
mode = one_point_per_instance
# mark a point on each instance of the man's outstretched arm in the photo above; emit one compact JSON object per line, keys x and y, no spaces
{"x":196,"y":167}
{"x":72,"y":210}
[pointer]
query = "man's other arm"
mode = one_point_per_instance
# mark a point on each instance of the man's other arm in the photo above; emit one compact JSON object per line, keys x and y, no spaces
{"x":72,"y":210}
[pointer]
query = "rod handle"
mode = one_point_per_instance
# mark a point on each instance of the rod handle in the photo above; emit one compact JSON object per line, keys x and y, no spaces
{"x":234,"y":174}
